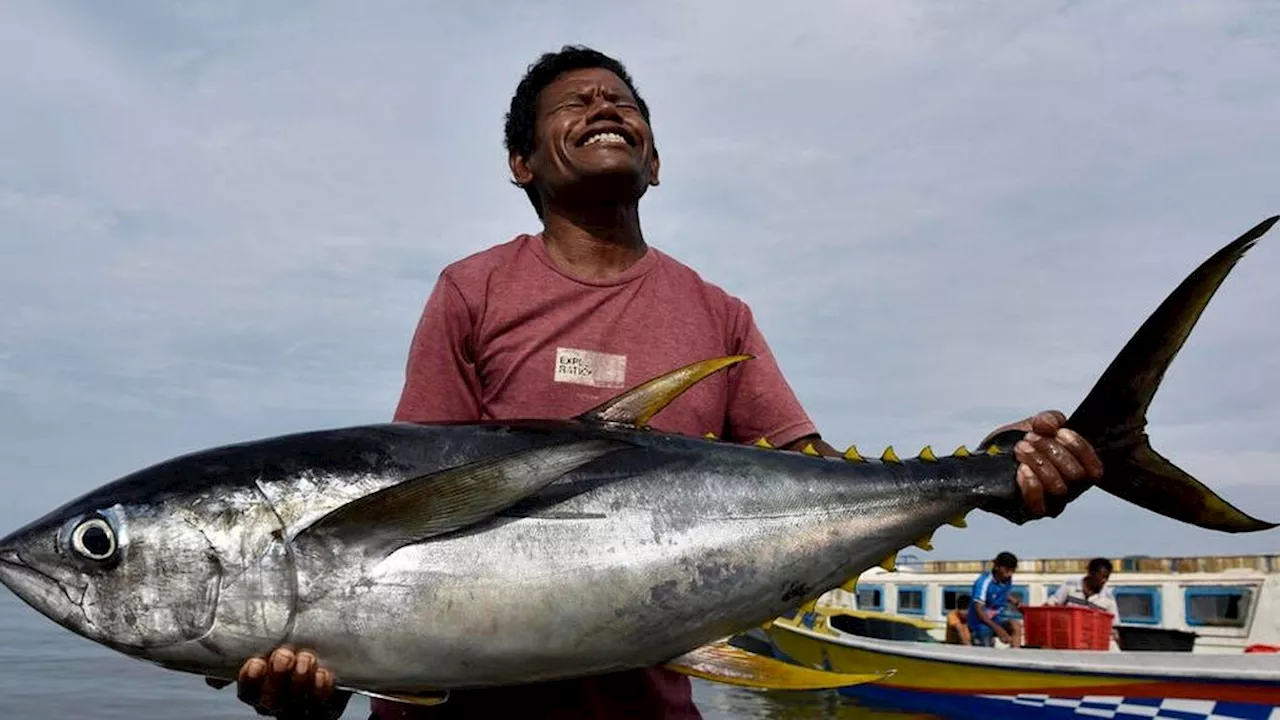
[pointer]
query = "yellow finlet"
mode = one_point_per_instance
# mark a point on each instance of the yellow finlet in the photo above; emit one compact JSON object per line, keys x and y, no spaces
{"x":808,"y":607}
{"x":958,"y":521}
{"x":927,"y":454}
{"x":763,"y":443}
{"x":890,"y":562}
{"x":993,"y":450}
{"x":961,"y":451}
{"x":852,"y":454}
{"x":809,"y":449}
{"x":639,"y":404}
{"x":724,"y":663}
{"x":711,"y":436}
{"x":890,"y":456}
{"x":925,"y":543}
{"x":851,"y":585}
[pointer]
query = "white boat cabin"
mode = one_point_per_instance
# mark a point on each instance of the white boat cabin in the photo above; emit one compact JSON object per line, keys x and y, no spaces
{"x":1230,"y":602}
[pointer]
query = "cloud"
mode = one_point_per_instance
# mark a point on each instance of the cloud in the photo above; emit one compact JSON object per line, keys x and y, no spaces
{"x":221,"y":219}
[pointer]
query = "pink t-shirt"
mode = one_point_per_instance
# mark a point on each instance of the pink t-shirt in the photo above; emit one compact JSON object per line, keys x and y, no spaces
{"x":507,"y":334}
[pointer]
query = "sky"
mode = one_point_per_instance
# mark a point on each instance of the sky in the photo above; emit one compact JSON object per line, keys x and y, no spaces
{"x":220,"y":221}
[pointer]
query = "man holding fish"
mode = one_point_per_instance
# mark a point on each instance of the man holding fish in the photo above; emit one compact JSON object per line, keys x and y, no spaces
{"x":550,"y":325}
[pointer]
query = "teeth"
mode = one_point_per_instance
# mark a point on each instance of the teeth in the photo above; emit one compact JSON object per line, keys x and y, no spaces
{"x":605,"y":137}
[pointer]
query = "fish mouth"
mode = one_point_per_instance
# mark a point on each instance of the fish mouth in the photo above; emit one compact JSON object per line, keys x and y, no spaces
{"x":47,"y":595}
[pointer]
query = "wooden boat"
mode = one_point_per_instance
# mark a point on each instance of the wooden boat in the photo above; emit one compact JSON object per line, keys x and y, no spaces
{"x":1208,"y":676}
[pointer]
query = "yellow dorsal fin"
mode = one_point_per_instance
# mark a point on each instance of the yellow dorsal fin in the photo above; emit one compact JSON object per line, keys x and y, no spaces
{"x":927,"y":454}
{"x":711,"y":436}
{"x":890,"y":456}
{"x":993,"y":450}
{"x":890,"y":562}
{"x":850,"y":585}
{"x":724,"y":663}
{"x":809,"y":606}
{"x":852,"y":454}
{"x":958,"y":521}
{"x":763,"y":443}
{"x":961,"y":451}
{"x":925,"y":543}
{"x":809,"y":449}
{"x":639,"y":404}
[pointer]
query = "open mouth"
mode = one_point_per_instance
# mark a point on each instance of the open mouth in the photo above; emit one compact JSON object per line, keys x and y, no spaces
{"x":613,"y":135}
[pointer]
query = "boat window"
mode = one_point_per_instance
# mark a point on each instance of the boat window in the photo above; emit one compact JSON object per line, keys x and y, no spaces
{"x":880,"y":628}
{"x":870,"y":597}
{"x":951,"y":595}
{"x":1220,"y":606}
{"x":1138,"y":604}
{"x":911,"y":600}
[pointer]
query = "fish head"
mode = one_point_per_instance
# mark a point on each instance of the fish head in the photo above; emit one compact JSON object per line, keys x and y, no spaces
{"x":135,"y":578}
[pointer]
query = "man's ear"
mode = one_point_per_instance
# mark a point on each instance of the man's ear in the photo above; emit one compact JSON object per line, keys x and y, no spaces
{"x":653,"y":168}
{"x":520,"y":171}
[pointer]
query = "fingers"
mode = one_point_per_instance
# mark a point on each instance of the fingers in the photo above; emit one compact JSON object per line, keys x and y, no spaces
{"x":303,"y":682}
{"x":1051,"y":458}
{"x":1050,"y":461}
{"x":1047,"y":422}
{"x":1082,"y":451}
{"x":1033,"y":452}
{"x":249,"y":680}
{"x":1032,"y":491}
{"x":275,"y":687}
{"x":287,"y":680}
{"x":323,"y":685}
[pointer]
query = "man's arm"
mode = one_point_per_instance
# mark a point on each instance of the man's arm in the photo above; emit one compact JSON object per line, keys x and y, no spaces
{"x":1059,"y":596}
{"x":440,"y":380}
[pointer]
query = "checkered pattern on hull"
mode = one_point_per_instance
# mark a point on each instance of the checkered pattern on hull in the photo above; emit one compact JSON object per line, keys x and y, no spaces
{"x":1122,"y":708}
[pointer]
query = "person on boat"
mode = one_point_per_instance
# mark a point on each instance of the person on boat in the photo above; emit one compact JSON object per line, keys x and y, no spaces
{"x":992,"y":611}
{"x":1090,"y":590}
{"x":958,"y":623}
{"x":553,"y":323}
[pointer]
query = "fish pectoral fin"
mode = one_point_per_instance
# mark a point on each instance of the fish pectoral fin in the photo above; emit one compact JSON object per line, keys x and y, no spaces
{"x":420,"y":699}
{"x":639,"y":404}
{"x":724,"y":663}
{"x":449,"y":500}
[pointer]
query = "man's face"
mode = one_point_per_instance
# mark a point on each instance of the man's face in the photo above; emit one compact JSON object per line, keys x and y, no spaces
{"x":589,"y":127}
{"x":1098,"y":578}
{"x":1002,"y":573}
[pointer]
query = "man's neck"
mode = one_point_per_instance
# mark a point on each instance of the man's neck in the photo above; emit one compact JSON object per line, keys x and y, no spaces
{"x":597,"y":245}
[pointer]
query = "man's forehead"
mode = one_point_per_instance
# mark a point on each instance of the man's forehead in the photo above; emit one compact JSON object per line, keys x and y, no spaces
{"x":587,"y":78}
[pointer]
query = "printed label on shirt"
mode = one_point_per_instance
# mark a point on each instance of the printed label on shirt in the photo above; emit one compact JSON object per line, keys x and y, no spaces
{"x":588,"y":367}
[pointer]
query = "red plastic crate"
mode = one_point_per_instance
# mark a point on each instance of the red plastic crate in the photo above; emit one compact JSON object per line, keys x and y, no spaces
{"x":1066,"y":627}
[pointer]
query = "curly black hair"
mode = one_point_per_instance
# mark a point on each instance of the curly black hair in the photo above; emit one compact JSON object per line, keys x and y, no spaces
{"x":520,"y":119}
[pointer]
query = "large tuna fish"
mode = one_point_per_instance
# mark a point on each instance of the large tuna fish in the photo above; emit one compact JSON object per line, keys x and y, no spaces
{"x":416,"y":558}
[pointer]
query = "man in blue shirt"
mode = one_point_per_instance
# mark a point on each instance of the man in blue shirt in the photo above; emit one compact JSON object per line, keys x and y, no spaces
{"x":990,"y":614}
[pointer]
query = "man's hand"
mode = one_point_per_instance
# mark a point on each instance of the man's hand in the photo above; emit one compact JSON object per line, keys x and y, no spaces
{"x":1004,"y":636}
{"x":288,"y":685}
{"x":1050,"y":459}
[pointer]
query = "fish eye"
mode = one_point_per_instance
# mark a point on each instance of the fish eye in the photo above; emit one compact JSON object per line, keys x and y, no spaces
{"x":94,"y":539}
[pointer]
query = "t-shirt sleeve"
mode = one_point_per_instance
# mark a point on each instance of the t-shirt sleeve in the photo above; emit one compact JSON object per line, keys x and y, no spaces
{"x":440,"y":383}
{"x":1059,"y":596}
{"x":979,"y":592}
{"x":761,"y":402}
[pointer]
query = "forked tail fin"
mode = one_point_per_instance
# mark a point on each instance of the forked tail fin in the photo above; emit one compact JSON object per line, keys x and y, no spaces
{"x":1113,"y":417}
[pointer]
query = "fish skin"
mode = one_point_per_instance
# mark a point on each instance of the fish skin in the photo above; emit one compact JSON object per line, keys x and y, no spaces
{"x":670,"y":535}
{"x":662,"y":545}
